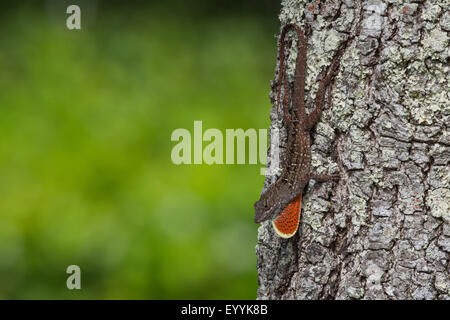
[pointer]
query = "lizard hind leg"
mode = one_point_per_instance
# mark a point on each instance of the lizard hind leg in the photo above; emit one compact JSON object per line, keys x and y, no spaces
{"x":286,"y":223}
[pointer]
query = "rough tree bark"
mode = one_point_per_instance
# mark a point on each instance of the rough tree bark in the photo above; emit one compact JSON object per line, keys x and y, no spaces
{"x":383,"y":230}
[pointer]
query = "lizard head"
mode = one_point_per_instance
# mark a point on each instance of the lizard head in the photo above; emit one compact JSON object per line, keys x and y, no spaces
{"x":263,"y":211}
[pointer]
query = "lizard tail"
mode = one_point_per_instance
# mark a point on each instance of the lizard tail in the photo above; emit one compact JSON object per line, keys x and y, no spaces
{"x":286,"y":223}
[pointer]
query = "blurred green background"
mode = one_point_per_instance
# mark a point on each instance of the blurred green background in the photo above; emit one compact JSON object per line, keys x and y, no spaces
{"x":86,"y":176}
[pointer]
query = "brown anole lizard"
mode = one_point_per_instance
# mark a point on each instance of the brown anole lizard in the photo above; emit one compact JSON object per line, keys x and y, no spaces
{"x":284,"y":195}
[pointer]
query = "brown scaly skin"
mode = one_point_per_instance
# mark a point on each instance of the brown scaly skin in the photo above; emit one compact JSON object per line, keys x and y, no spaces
{"x":297,"y":164}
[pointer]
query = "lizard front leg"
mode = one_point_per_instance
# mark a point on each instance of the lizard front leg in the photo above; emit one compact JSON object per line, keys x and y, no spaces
{"x":324,"y":177}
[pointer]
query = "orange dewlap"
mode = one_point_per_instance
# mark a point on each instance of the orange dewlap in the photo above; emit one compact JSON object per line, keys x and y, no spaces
{"x":286,"y":223}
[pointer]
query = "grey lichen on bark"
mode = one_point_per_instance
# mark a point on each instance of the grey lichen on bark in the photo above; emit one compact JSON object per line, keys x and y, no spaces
{"x":383,"y":230}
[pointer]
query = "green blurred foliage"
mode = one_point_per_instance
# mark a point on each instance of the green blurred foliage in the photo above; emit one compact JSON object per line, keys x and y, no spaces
{"x":85,"y":171}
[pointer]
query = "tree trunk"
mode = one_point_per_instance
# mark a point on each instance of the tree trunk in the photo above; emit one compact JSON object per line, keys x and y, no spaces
{"x":383,"y":230}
